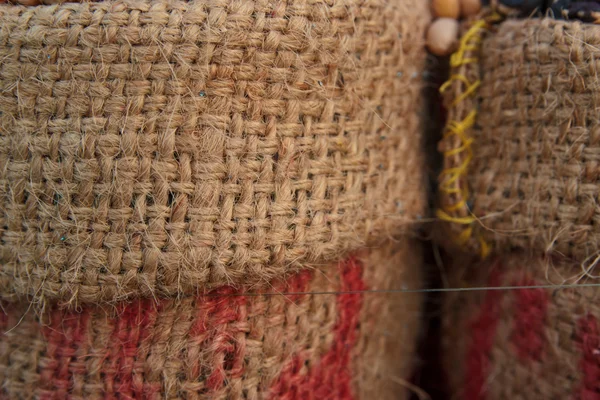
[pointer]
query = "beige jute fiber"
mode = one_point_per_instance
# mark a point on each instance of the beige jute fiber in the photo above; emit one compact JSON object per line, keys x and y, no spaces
{"x":153,"y":148}
{"x":529,"y":343}
{"x":347,"y":346}
{"x":533,"y":178}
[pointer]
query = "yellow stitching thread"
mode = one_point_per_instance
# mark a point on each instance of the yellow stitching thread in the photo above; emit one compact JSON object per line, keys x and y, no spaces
{"x":470,"y":90}
{"x":450,"y":177}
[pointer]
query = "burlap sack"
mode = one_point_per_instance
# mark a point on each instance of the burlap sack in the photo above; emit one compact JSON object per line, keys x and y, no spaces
{"x":225,"y":345}
{"x":531,"y":165}
{"x":522,"y":344}
{"x":152,"y":148}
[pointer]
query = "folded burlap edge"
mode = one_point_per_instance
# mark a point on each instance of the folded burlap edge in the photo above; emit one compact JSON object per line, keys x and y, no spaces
{"x":339,"y":192}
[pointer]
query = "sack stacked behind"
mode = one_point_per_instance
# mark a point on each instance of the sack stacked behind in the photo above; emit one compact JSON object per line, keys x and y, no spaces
{"x":533,"y":194}
{"x":528,"y":343}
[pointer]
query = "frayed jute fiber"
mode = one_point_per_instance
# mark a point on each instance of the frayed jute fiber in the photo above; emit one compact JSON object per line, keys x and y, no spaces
{"x":161,"y":148}
{"x":532,"y":170}
{"x":529,"y":343}
{"x":224,"y":345}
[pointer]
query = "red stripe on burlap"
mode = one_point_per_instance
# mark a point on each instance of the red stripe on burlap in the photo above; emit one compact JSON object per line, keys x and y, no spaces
{"x":132,"y":328}
{"x":299,"y":283}
{"x":216,"y":326}
{"x":220,"y":325}
{"x":331,"y":378}
{"x":530,"y":308}
{"x":588,"y":336}
{"x":66,"y":336}
{"x":483,"y":330}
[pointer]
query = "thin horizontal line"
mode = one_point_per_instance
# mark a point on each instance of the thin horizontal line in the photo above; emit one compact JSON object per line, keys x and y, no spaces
{"x":430,"y":290}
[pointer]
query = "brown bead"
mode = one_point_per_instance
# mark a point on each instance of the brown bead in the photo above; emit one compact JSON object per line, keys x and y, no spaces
{"x":26,"y":2}
{"x":30,"y":3}
{"x":469,"y":7}
{"x":442,"y":36}
{"x":446,"y":8}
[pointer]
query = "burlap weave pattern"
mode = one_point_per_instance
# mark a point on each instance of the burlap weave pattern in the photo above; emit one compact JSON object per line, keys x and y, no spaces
{"x":534,"y":174}
{"x":522,"y":344}
{"x":384,"y":355}
{"x":155,"y":148}
{"x":228,"y":347}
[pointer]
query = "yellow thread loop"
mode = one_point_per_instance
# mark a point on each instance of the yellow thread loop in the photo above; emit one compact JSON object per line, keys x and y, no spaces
{"x":451,"y":179}
{"x":460,"y":149}
{"x":457,"y":220}
{"x":470,"y":41}
{"x":453,"y":78}
{"x":470,"y":91}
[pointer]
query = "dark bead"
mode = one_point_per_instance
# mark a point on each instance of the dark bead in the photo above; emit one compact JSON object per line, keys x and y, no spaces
{"x":587,"y":11}
{"x":524,"y":5}
{"x":559,"y":8}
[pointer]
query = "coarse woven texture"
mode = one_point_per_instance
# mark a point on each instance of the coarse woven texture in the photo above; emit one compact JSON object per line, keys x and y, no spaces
{"x":522,"y":344}
{"x":222,"y":346}
{"x":390,"y":324}
{"x":167,"y":147}
{"x":536,"y":142}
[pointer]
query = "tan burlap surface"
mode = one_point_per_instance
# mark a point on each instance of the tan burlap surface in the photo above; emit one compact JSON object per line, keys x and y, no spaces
{"x":532,"y":181}
{"x":229,"y":346}
{"x":152,"y":148}
{"x":528,"y":343}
